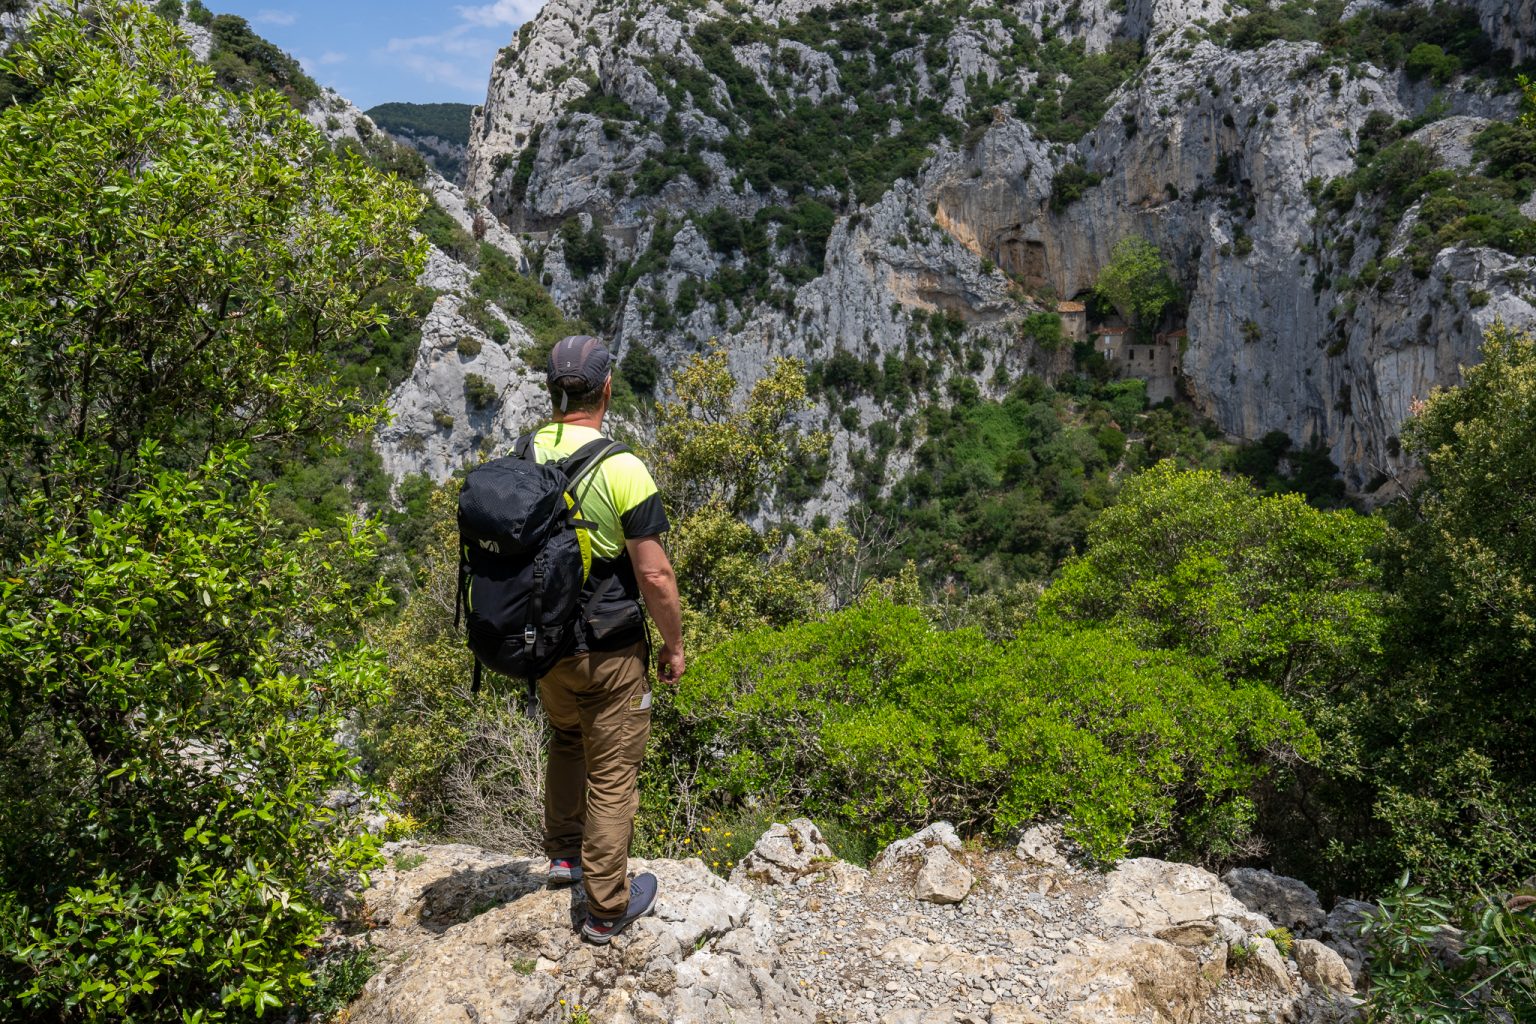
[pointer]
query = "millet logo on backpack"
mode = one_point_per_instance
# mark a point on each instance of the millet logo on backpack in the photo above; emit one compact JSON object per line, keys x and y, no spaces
{"x":491,"y":546}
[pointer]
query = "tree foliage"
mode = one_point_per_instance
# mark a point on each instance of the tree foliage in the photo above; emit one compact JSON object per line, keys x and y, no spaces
{"x":176,"y":262}
{"x":179,"y":270}
{"x":1136,"y":281}
{"x":1459,"y":788}
{"x":875,"y":718}
{"x":709,"y":449}
{"x":1491,"y":979}
{"x":1270,"y":590}
{"x":1270,"y":587}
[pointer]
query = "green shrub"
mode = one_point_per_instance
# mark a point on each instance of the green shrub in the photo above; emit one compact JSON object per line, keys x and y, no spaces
{"x":340,"y":980}
{"x":444,"y":232}
{"x":180,"y":663}
{"x":641,"y":368}
{"x":586,"y":252}
{"x":1426,"y":60}
{"x":1269,"y":587}
{"x":1069,"y":185}
{"x":468,"y":346}
{"x":526,"y":158}
{"x":876,"y":717}
{"x":1044,"y":329}
{"x":1458,"y":787}
{"x":1493,"y":979}
{"x":521,"y":298}
{"x":1138,"y":282}
{"x":480,"y":392}
{"x":242,"y":60}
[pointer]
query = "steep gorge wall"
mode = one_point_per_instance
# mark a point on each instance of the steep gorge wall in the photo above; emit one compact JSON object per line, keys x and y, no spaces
{"x":1207,"y":151}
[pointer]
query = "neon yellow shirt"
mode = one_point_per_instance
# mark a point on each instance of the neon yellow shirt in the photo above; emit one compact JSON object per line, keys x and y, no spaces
{"x":619,"y":497}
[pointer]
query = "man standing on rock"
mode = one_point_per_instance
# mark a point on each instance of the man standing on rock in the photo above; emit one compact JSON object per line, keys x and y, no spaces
{"x":599,"y":699}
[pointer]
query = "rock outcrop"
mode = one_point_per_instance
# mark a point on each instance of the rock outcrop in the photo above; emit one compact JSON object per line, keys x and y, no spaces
{"x":1289,"y":902}
{"x":464,"y":935}
{"x":471,"y":936}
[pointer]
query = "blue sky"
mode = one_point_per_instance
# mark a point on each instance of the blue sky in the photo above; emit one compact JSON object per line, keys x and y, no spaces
{"x":381,"y":50}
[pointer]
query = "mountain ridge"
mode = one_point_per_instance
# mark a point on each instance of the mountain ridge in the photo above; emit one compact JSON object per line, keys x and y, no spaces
{"x":1188,"y":153}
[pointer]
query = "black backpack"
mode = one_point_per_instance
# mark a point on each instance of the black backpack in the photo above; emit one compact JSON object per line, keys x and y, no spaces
{"x":524,"y":558}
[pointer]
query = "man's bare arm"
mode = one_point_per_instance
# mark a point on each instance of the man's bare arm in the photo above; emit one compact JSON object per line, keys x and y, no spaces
{"x":658,"y":584}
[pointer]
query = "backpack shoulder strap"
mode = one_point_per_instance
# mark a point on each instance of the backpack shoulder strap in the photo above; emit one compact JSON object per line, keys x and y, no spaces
{"x":523,"y":448}
{"x":588,"y":457}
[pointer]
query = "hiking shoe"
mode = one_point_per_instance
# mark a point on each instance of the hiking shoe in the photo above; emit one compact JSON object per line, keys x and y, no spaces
{"x":642,"y":900}
{"x":564,"y":870}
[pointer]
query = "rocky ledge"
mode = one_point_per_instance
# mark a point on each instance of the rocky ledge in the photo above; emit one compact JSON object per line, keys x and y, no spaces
{"x":933,"y":933}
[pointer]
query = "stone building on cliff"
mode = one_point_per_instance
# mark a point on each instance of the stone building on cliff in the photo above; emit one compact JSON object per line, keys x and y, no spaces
{"x":1155,"y":362}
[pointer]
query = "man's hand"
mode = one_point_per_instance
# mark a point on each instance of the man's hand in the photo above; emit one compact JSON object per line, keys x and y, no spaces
{"x":671,"y":664}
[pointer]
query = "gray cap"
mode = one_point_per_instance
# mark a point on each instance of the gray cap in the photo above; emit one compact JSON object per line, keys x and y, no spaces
{"x":580,"y":356}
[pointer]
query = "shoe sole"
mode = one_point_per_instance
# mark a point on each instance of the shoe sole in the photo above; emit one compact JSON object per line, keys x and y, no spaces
{"x":562,"y":880}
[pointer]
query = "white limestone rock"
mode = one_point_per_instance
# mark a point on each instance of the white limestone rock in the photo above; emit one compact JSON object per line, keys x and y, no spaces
{"x":942,"y":878}
{"x":1146,"y":895}
{"x":940,"y":833}
{"x":474,"y":935}
{"x":1288,"y":902}
{"x":784,"y":854}
{"x":1323,"y":968}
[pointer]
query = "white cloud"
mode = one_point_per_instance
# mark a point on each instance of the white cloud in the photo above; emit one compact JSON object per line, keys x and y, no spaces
{"x":502,"y":12}
{"x":312,"y":65}
{"x":458,"y":57}
{"x":281,"y":19}
{"x":462,"y":55}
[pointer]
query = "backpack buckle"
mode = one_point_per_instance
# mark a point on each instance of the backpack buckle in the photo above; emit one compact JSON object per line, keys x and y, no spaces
{"x":530,"y":635}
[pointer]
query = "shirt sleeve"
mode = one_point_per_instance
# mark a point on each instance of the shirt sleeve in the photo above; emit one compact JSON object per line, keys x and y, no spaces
{"x":635,"y":497}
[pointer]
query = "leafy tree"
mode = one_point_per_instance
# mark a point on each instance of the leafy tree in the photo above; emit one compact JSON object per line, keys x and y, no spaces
{"x":1271,"y":588}
{"x":176,"y":263}
{"x":733,"y":577}
{"x":178,"y":266}
{"x":710,"y":450}
{"x":1043,"y":328}
{"x":242,"y":61}
{"x":1136,"y":282}
{"x":585,"y":251}
{"x":1459,"y":784}
{"x":875,"y":717}
{"x":1427,"y":60}
{"x":1070,"y":184}
{"x":640,"y":368}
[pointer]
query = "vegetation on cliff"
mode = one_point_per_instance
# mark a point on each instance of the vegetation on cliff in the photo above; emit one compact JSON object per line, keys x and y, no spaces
{"x":180,"y":270}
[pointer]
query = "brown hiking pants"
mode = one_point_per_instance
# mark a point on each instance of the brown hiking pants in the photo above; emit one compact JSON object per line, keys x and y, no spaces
{"x":599,"y":708}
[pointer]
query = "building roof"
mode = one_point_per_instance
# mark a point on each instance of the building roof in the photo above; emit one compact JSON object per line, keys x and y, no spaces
{"x":1071,"y":307}
{"x":1113,"y":330}
{"x":1175,"y":334}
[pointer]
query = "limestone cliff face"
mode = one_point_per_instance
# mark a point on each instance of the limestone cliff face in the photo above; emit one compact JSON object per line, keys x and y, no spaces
{"x":1511,"y":24}
{"x":1205,"y":150}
